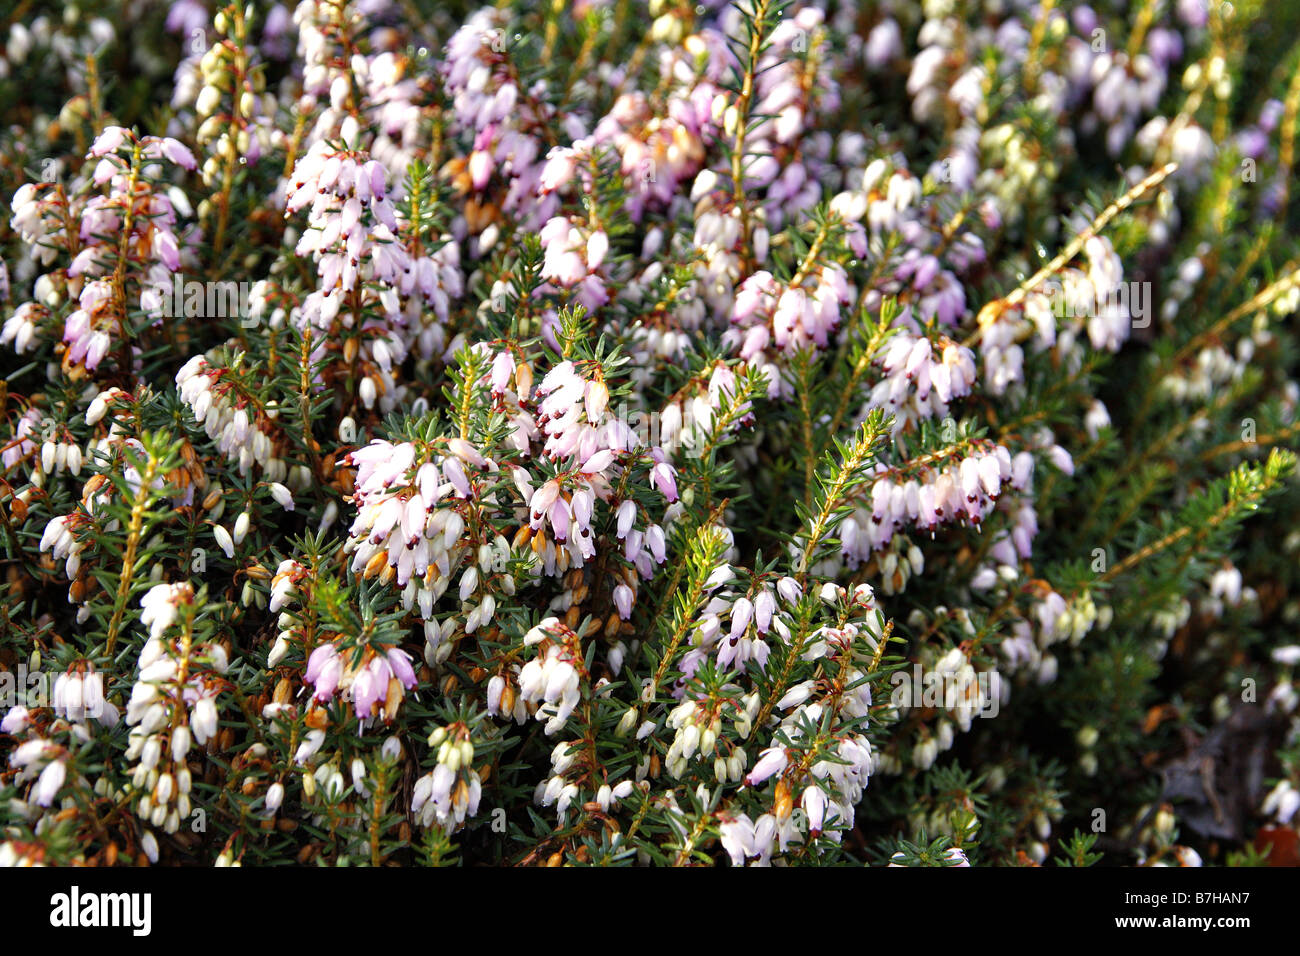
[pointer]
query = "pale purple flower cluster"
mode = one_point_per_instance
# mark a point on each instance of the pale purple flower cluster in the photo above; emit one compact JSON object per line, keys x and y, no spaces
{"x":411,"y":507}
{"x":921,"y":377}
{"x":375,"y":686}
{"x":506,"y":121}
{"x":660,"y":149}
{"x":794,"y":83}
{"x":889,"y":202}
{"x":135,"y":218}
{"x":369,"y":279}
{"x":772,"y":320}
{"x":574,"y":256}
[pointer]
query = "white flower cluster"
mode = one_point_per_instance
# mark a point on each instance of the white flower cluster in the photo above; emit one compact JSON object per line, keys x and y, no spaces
{"x":243,"y":431}
{"x":966,"y":489}
{"x":551,"y":679}
{"x":1054,"y":313}
{"x":173,"y":706}
{"x":450,"y":793}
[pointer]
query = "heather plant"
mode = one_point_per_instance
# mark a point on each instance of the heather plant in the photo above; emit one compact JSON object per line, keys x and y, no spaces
{"x":613,"y":433}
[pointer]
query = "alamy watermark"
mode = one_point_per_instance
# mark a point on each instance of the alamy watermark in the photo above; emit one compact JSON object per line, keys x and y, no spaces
{"x":73,"y":697}
{"x":24,"y":688}
{"x":191,"y":298}
{"x":75,"y":910}
{"x":965,"y":692}
{"x":1081,"y":301}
